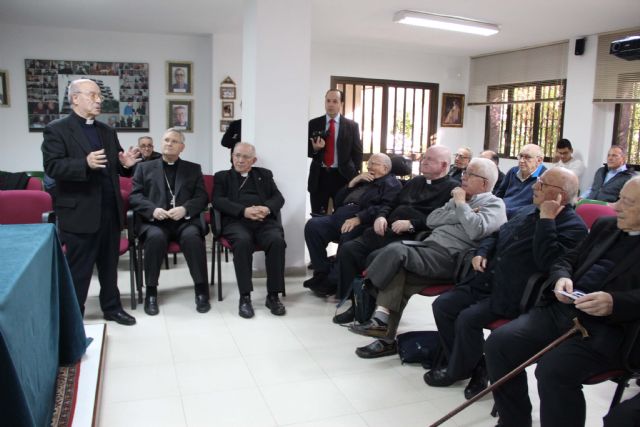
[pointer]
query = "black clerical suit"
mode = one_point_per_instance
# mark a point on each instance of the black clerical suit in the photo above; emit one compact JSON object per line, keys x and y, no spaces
{"x":231,"y":195}
{"x":88,"y":206}
{"x":325,"y":180}
{"x":154,"y":184}
{"x":607,"y":260}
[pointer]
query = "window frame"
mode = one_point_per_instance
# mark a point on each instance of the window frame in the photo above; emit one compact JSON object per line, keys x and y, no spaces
{"x":617,"y":117}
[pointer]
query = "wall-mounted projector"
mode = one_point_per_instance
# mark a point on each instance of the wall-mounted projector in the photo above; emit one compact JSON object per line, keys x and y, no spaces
{"x":627,"y":48}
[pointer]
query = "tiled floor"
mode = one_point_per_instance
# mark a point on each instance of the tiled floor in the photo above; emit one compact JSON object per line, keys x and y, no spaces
{"x":182,"y":368}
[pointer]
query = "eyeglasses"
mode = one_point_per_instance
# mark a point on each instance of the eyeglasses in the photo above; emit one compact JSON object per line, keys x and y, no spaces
{"x":461,"y":156}
{"x":145,"y":146}
{"x":93,"y":96}
{"x":542,"y":184}
{"x":242,"y":156}
{"x":469,"y":174}
{"x":525,"y":157}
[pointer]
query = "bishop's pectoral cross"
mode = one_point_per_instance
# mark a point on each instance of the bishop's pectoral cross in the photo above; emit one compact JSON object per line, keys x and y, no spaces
{"x":173,"y":201}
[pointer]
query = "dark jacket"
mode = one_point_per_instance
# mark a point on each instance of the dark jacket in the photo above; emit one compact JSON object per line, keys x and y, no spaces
{"x":379,"y":192}
{"x":523,"y":246}
{"x":348,"y":150}
{"x":79,"y":188}
{"x":226,"y":190}
{"x":150,"y":191}
{"x":609,"y":191}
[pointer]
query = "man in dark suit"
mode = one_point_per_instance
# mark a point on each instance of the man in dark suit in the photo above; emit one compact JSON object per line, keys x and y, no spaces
{"x":84,"y":157}
{"x":232,"y":135}
{"x":250,"y":202}
{"x":169,"y":196}
{"x":336,"y":151}
{"x":605,"y":267}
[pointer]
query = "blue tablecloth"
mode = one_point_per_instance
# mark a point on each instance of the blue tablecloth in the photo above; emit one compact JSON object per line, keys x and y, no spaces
{"x":40,"y":322}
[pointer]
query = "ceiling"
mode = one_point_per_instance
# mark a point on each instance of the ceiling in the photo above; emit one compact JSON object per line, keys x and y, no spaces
{"x":360,"y":22}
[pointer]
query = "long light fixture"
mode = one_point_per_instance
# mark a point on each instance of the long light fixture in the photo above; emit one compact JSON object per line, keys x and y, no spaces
{"x":445,"y":22}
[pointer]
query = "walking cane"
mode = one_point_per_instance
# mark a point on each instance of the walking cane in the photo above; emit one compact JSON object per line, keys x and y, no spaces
{"x":577,"y":327}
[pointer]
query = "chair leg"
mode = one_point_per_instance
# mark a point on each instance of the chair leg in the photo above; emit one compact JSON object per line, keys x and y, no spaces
{"x":226,"y":255}
{"x":166,"y":262}
{"x":175,"y":259}
{"x":218,"y":254}
{"x":212,"y":282}
{"x":132,"y":266}
{"x":623,"y":382}
{"x":139,"y":273}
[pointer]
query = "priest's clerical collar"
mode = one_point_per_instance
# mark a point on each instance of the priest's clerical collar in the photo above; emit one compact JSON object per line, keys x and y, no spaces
{"x":89,"y":122}
{"x":244,"y":174}
{"x":633,"y":233}
{"x":166,"y":162}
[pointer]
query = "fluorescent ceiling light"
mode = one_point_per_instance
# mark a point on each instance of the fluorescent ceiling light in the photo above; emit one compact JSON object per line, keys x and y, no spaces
{"x":444,"y":22}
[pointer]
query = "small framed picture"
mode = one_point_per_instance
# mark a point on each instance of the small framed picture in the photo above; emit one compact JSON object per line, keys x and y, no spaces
{"x":224,"y":125}
{"x":452,"y":114}
{"x":227,"y":109}
{"x":179,"y":78}
{"x":4,"y":88}
{"x":180,"y":114}
{"x":227,"y":92}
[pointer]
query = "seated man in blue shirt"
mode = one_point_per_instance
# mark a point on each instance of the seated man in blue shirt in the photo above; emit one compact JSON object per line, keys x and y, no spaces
{"x":516,"y":190}
{"x":610,"y":178}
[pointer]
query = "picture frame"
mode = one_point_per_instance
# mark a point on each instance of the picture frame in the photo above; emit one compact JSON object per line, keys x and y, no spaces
{"x":224,"y":125}
{"x":124,"y":87}
{"x":227,"y":92}
{"x":5,"y":101}
{"x":180,"y":114}
{"x":179,"y":78}
{"x":227,"y":109}
{"x":452,"y":113}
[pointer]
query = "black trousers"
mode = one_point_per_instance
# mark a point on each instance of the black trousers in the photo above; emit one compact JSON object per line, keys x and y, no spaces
{"x":560,"y":372}
{"x":156,"y":240}
{"x":84,"y":250}
{"x":329,"y":182}
{"x":245,"y":236}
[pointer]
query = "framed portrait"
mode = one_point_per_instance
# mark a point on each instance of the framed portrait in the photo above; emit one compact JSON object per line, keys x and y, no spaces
{"x":124,"y":88}
{"x":179,"y":78}
{"x":224,"y":125}
{"x":227,"y":92}
{"x":180,"y":114}
{"x":227,"y":109}
{"x":452,"y":114}
{"x":4,"y":88}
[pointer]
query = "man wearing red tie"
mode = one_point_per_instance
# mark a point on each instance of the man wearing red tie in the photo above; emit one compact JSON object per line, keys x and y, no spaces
{"x":336,"y":152}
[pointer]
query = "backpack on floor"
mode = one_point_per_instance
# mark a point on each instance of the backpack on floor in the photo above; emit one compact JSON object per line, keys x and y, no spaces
{"x":419,"y":347}
{"x":364,"y":303}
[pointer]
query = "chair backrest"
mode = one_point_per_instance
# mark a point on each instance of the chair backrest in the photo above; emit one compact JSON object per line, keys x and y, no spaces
{"x":126,"y":184}
{"x":590,"y":212}
{"x":34,"y":184}
{"x":23,"y":206}
{"x":208,"y":185}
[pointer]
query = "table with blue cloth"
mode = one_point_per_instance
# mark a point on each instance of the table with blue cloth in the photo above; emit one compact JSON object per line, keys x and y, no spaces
{"x":40,"y":323}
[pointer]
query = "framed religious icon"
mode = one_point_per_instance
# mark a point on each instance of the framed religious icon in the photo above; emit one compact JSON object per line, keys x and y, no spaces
{"x":227,"y":109}
{"x":227,"y":92}
{"x":4,"y":88}
{"x":179,"y":78}
{"x":452,"y":114}
{"x":224,"y":125}
{"x":180,"y":114}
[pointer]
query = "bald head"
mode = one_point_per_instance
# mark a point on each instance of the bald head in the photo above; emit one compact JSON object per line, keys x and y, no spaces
{"x":554,"y":182}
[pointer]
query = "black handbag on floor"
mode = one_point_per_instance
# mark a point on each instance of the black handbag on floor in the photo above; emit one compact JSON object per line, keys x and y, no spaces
{"x":419,"y":347}
{"x":364,"y":303}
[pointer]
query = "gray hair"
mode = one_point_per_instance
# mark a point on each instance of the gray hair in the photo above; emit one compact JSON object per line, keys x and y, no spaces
{"x":74,"y":88}
{"x":486,"y":168}
{"x":386,"y":160}
{"x":178,"y":131}
{"x":251,"y":146}
{"x":145,"y":137}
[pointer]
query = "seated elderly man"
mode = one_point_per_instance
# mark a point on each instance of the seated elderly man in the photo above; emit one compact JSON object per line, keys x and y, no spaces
{"x":516,"y":188}
{"x":169,"y":195}
{"x":358,"y":205}
{"x":610,"y":178}
{"x":604,"y":267}
{"x":528,"y":243}
{"x":472,"y":214}
{"x":145,"y":146}
{"x":460,"y":162}
{"x":250,"y":202}
{"x":402,"y":219}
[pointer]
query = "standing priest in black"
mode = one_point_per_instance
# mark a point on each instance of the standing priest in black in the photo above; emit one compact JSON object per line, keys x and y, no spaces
{"x":169,"y":196}
{"x":250,"y":202}
{"x":336,"y":151}
{"x":84,"y":157}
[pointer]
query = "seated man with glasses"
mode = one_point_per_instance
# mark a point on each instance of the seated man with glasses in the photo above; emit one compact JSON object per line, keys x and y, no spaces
{"x":460,"y":162}
{"x":528,"y":243}
{"x":516,"y":188}
{"x":471,"y":214}
{"x":145,"y":145}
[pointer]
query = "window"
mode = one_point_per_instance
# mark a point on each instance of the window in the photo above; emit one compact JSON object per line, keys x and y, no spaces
{"x":626,"y":131}
{"x":526,"y":113}
{"x":394,"y":116}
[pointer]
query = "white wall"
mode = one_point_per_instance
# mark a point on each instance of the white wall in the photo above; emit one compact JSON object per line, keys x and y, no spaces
{"x":21,"y":148}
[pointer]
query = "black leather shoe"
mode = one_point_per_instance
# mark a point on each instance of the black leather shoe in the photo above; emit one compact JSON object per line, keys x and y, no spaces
{"x":151,"y":306}
{"x":245,"y":308}
{"x":438,"y":378}
{"x":322,"y":287}
{"x":346,"y":317}
{"x":202,"y":303}
{"x":274,"y":304}
{"x":309,"y":283}
{"x":370,"y":328}
{"x":378,"y":348}
{"x":121,"y":317}
{"x":478,"y":382}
